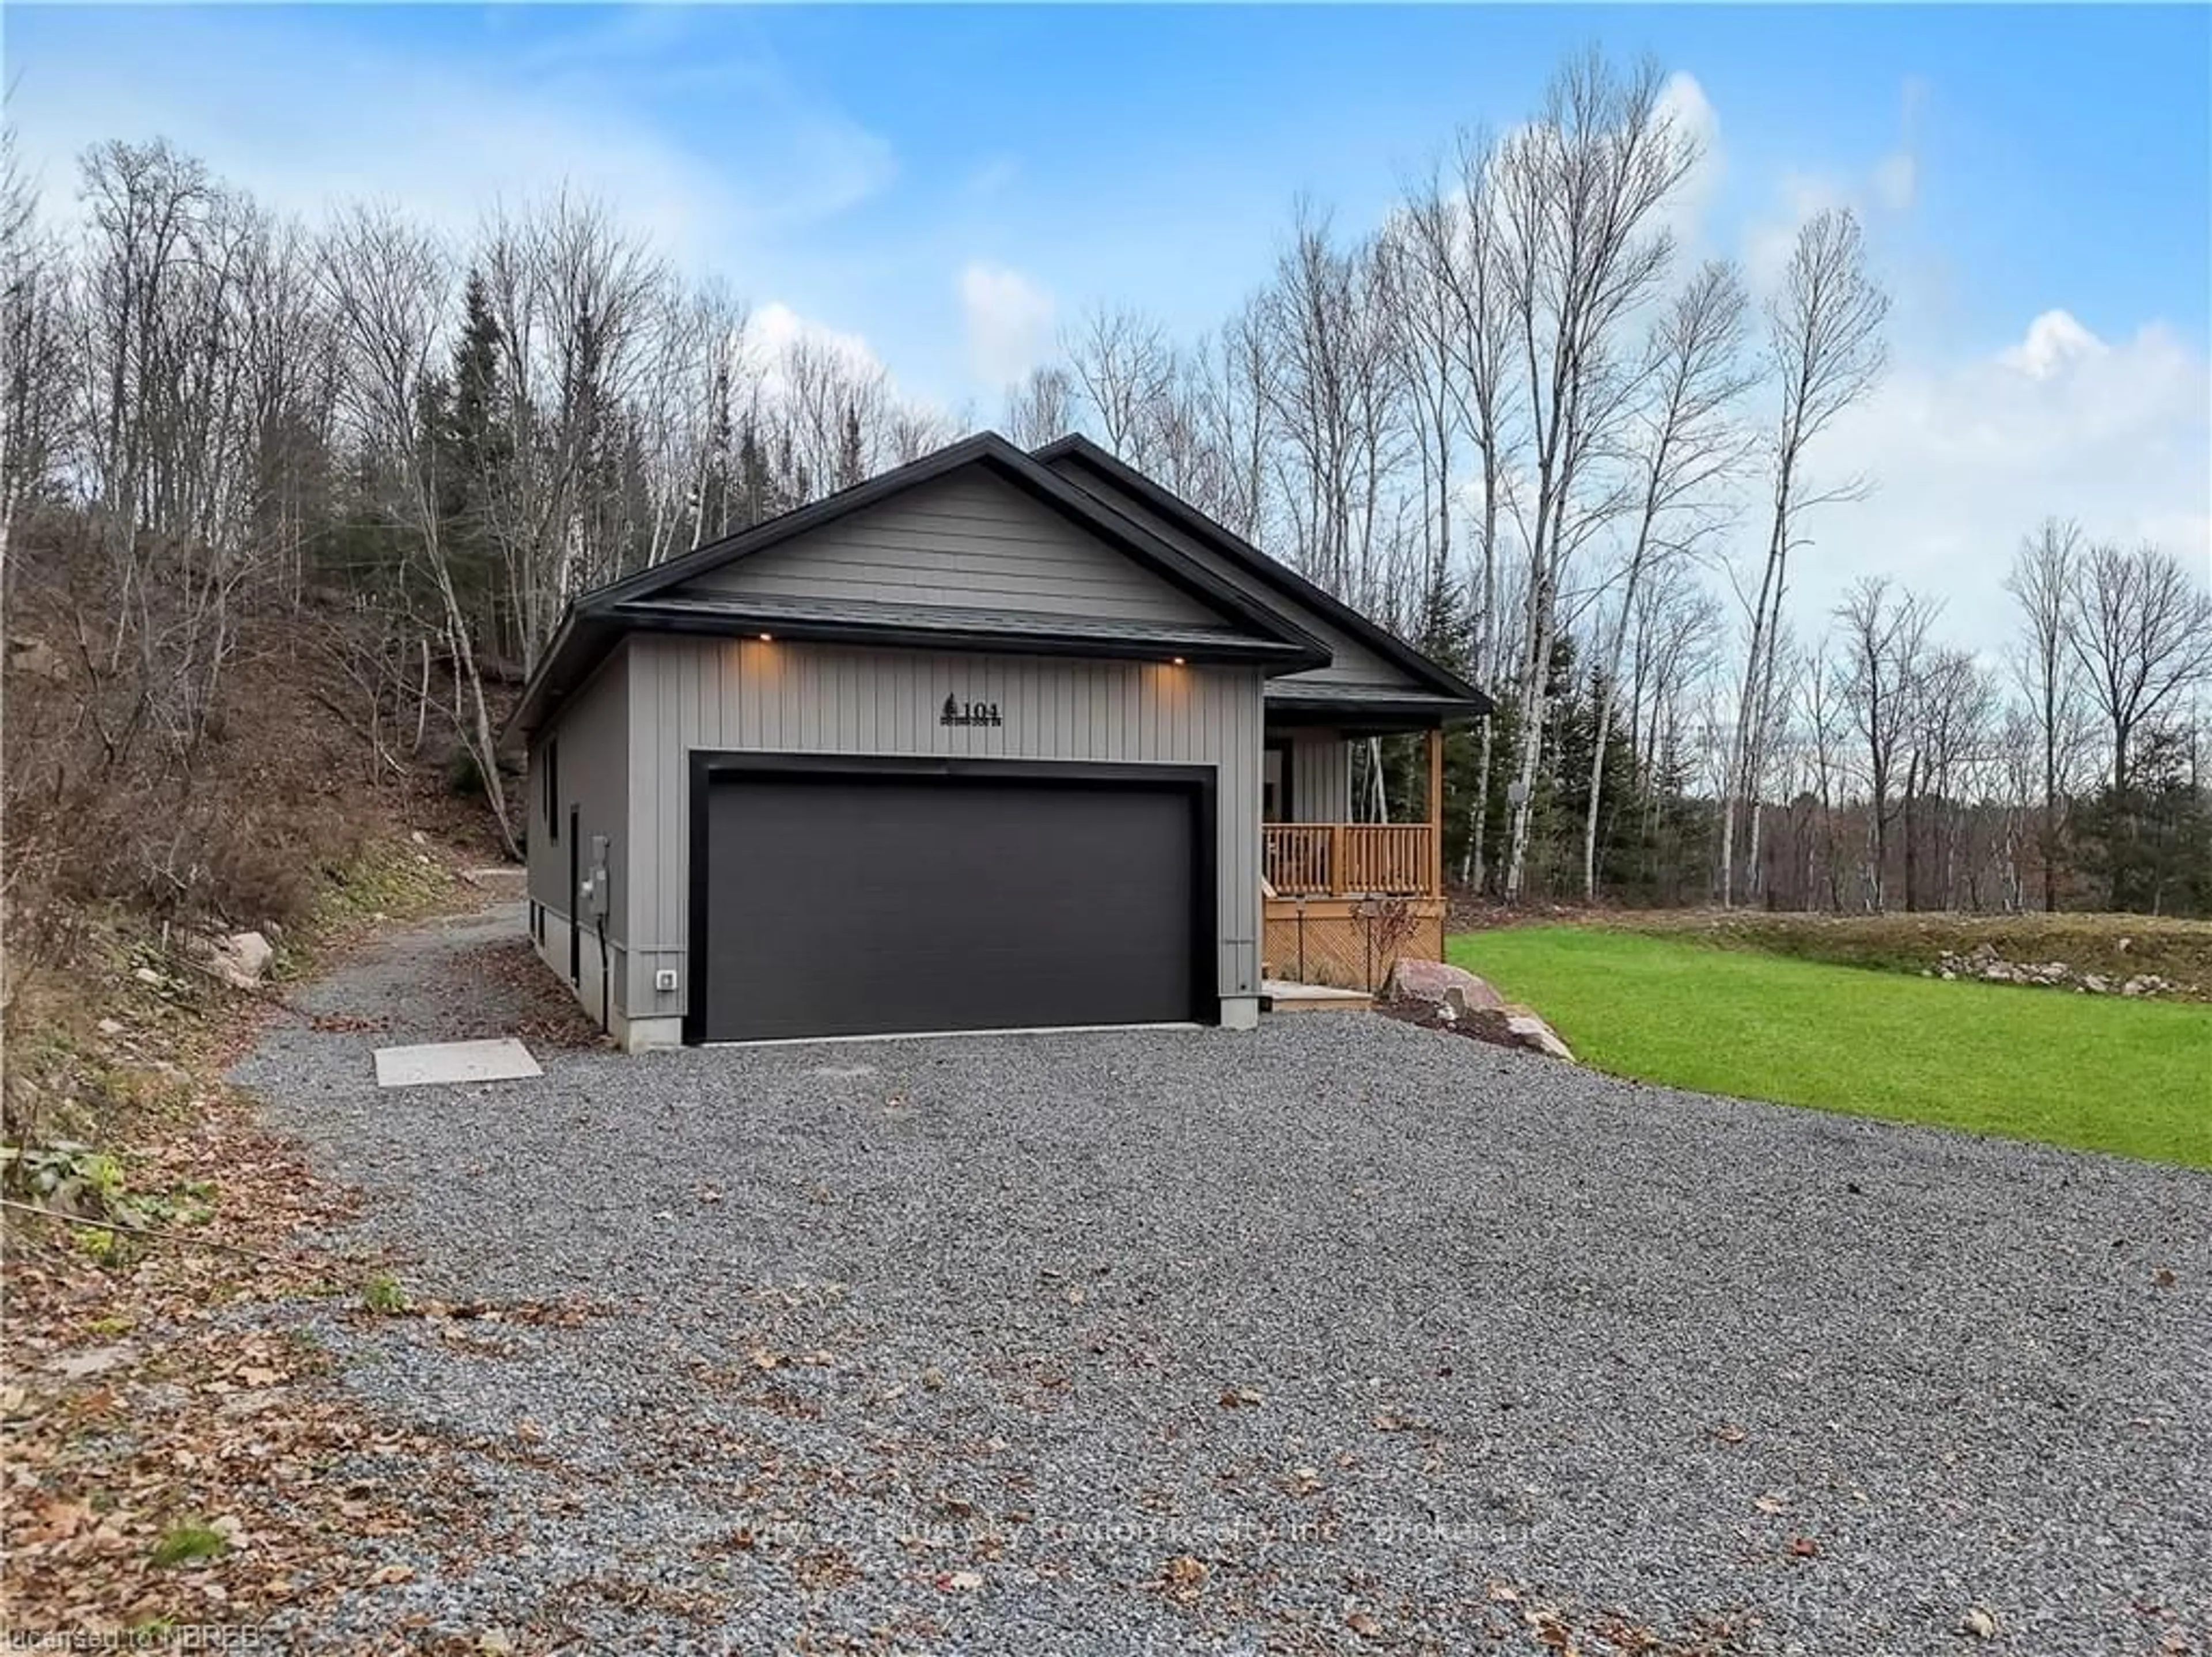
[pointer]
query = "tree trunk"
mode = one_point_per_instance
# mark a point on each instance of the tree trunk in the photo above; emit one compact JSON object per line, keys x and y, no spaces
{"x":1753,"y":870}
{"x":1606,"y":695}
{"x":1472,"y":871}
{"x":1533,"y":705}
{"x":2049,"y":788}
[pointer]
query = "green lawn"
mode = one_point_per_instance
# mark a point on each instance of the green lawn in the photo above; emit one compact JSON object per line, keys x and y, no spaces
{"x":2097,"y":1072}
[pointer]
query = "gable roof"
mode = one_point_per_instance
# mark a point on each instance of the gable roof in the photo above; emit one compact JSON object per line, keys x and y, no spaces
{"x":1251,"y":629}
{"x":1440,"y":689}
{"x":994,"y":455}
{"x":1075,"y":478}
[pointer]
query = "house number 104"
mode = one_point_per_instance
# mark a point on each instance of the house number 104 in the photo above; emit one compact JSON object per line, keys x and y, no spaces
{"x":956,"y":712}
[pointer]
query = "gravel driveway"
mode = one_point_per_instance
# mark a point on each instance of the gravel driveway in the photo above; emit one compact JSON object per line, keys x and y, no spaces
{"x":1338,"y":1335}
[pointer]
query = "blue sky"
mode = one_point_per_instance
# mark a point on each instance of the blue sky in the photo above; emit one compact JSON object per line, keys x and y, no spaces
{"x":949,"y":186}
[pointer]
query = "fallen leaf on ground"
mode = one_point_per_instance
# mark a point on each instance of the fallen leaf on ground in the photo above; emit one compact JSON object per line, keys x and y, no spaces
{"x":1184,"y":1574}
{"x":1979,"y":1623}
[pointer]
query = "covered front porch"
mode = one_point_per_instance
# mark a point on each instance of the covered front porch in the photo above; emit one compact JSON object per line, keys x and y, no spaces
{"x":1344,"y":900}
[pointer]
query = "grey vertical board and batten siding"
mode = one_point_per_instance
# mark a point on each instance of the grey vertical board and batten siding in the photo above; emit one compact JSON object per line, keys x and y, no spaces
{"x":594,"y":731}
{"x":1351,"y":662}
{"x":690,"y":694}
{"x":965,"y":541}
{"x":1321,"y":778}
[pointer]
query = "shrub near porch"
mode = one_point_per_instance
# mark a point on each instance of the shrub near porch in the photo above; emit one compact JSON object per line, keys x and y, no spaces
{"x":2094,"y":1073}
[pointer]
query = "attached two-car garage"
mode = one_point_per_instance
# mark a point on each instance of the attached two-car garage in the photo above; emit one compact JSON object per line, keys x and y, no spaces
{"x":844,"y":896}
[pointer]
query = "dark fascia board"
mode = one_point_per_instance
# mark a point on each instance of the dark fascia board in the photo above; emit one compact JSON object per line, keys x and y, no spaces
{"x":569,"y":656}
{"x":997,"y":455}
{"x":1320,"y":697}
{"x":1239,"y":552}
{"x":644,"y":615}
{"x":1377,"y":717}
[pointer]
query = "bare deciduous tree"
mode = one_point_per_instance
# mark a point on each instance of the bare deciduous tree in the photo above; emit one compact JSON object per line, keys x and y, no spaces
{"x":1457,"y":223}
{"x":2042,"y":585}
{"x":1579,"y":195}
{"x":1951,"y":703}
{"x":35,"y":361}
{"x":2142,"y":632}
{"x":1687,"y":446}
{"x":389,"y":287}
{"x":1825,"y":340}
{"x":1884,"y":632}
{"x":1041,"y":408}
{"x":1125,"y":368}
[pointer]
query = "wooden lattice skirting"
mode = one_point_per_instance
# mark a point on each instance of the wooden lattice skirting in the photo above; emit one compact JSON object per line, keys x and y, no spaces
{"x":1341,"y":947}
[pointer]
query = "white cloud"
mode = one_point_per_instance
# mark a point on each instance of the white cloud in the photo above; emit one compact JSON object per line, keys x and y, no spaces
{"x":1896,"y":182}
{"x":1009,"y":322}
{"x":1965,"y":460}
{"x":1682,"y":100}
{"x":304,"y":112}
{"x":2055,"y":341}
{"x":1889,"y":189}
{"x":1769,"y":243}
{"x":774,"y":327}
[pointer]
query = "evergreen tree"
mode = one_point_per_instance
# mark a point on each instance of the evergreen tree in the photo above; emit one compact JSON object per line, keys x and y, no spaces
{"x":851,"y":464}
{"x":717,"y":500}
{"x":474,"y":449}
{"x":2151,"y":840}
{"x":756,"y":493}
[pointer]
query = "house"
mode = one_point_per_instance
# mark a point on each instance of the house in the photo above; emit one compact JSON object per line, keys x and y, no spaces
{"x":994,"y":740}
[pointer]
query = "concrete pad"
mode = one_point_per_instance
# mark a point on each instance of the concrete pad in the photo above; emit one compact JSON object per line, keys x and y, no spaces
{"x":1287,"y":996}
{"x":447,"y":1061}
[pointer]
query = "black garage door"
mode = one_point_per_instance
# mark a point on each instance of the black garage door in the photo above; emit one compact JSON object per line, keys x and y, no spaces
{"x":972,"y":895}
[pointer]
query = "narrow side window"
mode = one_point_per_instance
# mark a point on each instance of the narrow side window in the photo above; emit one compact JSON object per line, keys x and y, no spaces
{"x":553,"y":788}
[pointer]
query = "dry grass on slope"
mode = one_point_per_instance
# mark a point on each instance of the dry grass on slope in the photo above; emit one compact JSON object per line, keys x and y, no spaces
{"x":2118,"y":946}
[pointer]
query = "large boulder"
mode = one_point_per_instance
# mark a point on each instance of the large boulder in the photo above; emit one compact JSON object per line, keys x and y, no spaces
{"x":1434,"y":981}
{"x":240,"y":959}
{"x":1529,"y":1028}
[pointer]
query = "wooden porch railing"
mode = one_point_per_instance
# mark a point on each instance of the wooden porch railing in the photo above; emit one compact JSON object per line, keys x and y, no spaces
{"x":1343,"y":859}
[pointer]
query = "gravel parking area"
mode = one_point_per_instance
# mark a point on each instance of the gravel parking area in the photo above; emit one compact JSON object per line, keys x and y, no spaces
{"x":1338,"y":1335}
